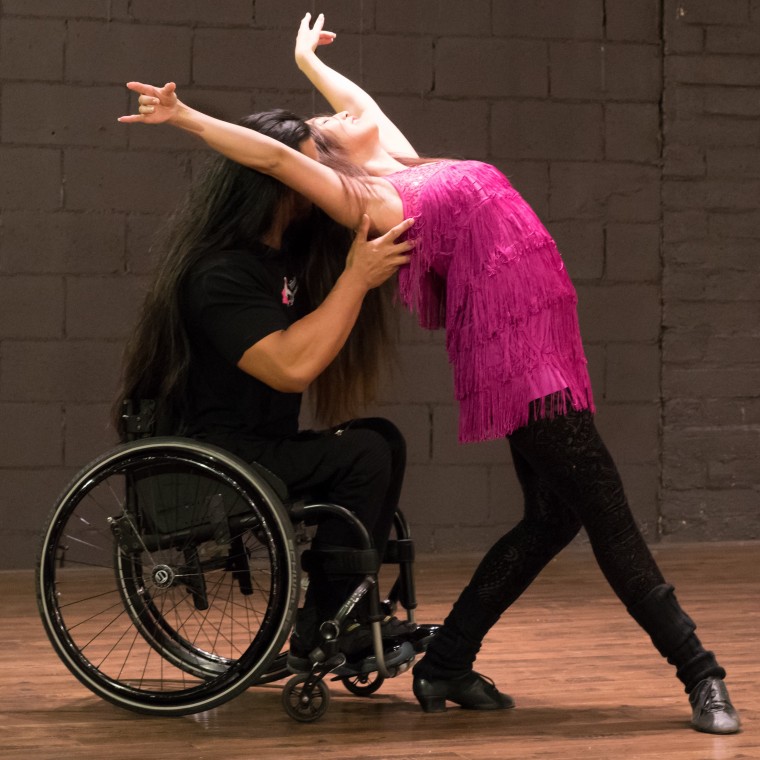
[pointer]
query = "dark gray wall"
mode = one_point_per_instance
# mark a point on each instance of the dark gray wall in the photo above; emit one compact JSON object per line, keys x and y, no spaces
{"x":632,"y":128}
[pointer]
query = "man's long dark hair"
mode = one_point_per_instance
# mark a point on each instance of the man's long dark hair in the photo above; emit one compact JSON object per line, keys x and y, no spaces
{"x":228,"y":208}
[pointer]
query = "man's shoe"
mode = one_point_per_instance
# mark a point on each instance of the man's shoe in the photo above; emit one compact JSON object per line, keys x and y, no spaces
{"x":394,"y":630}
{"x":471,"y":691}
{"x":712,"y":711}
{"x":356,"y":643}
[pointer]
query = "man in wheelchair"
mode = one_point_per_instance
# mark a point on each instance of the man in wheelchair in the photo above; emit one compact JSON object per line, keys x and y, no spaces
{"x":254,"y":302}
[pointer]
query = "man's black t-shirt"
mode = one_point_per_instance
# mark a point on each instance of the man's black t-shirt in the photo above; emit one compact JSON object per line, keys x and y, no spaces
{"x":231,"y":300}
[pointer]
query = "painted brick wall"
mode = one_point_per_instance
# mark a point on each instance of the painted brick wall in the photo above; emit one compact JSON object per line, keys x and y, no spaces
{"x":632,"y":128}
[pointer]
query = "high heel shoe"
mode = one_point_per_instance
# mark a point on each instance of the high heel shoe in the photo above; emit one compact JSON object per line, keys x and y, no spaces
{"x":471,"y":691}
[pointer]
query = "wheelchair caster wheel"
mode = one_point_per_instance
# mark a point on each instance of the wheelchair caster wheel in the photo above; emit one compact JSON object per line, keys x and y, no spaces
{"x":305,"y":705}
{"x":363,"y":684}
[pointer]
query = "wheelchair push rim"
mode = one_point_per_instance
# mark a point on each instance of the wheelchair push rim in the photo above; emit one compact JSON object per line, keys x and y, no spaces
{"x":167,"y":577}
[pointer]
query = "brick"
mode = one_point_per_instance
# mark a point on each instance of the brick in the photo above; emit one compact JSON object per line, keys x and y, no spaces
{"x":734,"y":101}
{"x":103,"y":307}
{"x":680,"y":226}
{"x":123,"y":181}
{"x":581,"y":19}
{"x":733,"y":162}
{"x":639,"y":21}
{"x":31,"y":306}
{"x":432,"y":17}
{"x":143,"y":245}
{"x":633,"y":372}
{"x":701,"y":515}
{"x":31,"y":48}
{"x":739,"y":473}
{"x":436,"y":127}
{"x":619,"y":312}
{"x":690,"y":285}
{"x":577,"y":70}
{"x":707,"y":12}
{"x":721,"y":318}
{"x":67,"y":370}
{"x":105,"y":9}
{"x":397,"y":65}
{"x":38,"y":241}
{"x":633,"y":72}
{"x":684,"y":162}
{"x":620,"y":192}
{"x":37,"y":490}
{"x":714,"y":382}
{"x":57,"y":114}
{"x":245,"y":58}
{"x":31,"y":435}
{"x":340,"y":15}
{"x":447,"y":450}
{"x":424,"y":375}
{"x":88,"y":432}
{"x":193,"y":12}
{"x":287,"y":14}
{"x":118,"y":52}
{"x":699,"y":346}
{"x":731,"y":39}
{"x":547,"y":130}
{"x":714,"y":194}
{"x":734,"y":225}
{"x":712,"y":412}
{"x":630,"y":431}
{"x":681,"y":38}
{"x":31,"y":178}
{"x":713,"y":70}
{"x":632,"y":132}
{"x":732,"y":254}
{"x":490,"y":68}
{"x":633,"y":252}
{"x":582,"y":247}
{"x":710,"y":130}
{"x":446,"y":495}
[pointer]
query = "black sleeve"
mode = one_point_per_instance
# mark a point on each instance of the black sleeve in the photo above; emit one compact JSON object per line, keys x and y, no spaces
{"x":234,"y":303}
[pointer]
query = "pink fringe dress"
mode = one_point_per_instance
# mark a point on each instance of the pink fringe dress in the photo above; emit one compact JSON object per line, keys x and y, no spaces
{"x":485,"y":268}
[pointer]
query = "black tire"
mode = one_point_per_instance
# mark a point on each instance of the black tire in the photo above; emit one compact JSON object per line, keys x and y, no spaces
{"x":167,"y":579}
{"x":304,"y":706}
{"x":363,"y":684}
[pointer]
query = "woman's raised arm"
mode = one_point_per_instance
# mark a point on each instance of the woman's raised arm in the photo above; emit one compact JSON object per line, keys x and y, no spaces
{"x":319,"y":183}
{"x":339,"y":91}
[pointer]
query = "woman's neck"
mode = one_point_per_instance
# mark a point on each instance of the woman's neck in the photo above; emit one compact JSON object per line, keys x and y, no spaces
{"x":379,"y":162}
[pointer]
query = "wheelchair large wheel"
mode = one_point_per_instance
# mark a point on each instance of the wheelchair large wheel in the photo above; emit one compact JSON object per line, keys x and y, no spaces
{"x":167,"y":577}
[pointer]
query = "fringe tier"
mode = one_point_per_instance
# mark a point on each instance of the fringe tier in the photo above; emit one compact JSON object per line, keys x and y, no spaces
{"x":485,"y":268}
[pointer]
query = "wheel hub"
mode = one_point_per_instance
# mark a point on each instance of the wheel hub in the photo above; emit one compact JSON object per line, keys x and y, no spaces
{"x":163,"y":576}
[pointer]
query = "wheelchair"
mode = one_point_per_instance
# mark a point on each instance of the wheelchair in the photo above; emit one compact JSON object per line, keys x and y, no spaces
{"x":168,"y":579}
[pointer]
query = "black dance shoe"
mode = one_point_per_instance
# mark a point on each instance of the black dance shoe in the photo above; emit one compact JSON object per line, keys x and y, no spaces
{"x":712,"y":711}
{"x":471,"y":691}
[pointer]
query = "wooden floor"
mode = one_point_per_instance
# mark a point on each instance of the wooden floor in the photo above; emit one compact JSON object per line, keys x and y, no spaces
{"x":587,"y":681}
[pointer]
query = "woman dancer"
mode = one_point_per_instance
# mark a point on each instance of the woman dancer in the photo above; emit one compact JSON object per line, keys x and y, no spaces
{"x":486,"y":269}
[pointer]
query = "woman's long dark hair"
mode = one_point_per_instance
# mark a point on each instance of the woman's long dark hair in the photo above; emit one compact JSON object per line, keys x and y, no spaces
{"x":229,"y":208}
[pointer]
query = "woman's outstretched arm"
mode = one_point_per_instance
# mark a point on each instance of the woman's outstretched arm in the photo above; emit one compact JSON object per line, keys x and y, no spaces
{"x":319,"y":183}
{"x":339,"y":91}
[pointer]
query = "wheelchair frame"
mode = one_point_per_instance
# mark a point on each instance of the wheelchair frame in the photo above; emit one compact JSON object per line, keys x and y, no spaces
{"x":167,"y":579}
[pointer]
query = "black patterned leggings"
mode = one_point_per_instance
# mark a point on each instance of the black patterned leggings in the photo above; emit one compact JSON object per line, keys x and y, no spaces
{"x":569,"y":481}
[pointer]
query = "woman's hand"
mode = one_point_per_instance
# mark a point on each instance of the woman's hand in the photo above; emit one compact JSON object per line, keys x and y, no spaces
{"x":310,"y":38}
{"x":156,"y":104}
{"x":374,"y":261}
